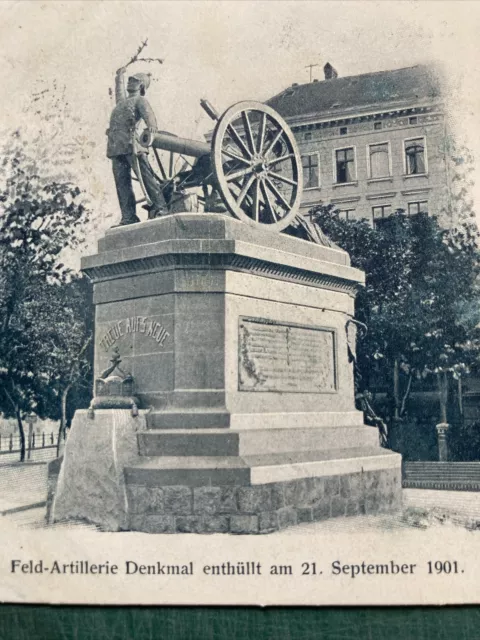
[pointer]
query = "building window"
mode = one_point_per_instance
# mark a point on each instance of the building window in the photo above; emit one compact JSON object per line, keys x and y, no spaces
{"x":308,"y":135}
{"x":413,"y":120}
{"x":381,"y":212}
{"x":311,"y":176}
{"x":344,"y":165}
{"x":346,"y":214}
{"x":379,"y":160}
{"x":417,"y":207}
{"x":415,"y":156}
{"x":343,"y":131}
{"x":377,"y":125}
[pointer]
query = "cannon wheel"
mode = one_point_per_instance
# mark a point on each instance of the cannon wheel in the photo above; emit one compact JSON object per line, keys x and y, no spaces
{"x":257,"y":165}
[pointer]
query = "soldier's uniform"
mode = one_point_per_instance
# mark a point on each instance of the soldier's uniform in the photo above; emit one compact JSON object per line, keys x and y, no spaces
{"x":122,"y":147}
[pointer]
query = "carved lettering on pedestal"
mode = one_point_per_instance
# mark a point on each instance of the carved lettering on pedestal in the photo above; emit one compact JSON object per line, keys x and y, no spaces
{"x":282,"y":357}
{"x":135,"y":324}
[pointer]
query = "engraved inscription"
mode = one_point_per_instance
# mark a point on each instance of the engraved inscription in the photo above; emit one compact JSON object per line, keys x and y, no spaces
{"x":285,"y":358}
{"x":136,"y":324}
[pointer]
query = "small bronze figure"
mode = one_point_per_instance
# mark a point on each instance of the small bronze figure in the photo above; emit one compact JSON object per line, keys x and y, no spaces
{"x":125,"y":152}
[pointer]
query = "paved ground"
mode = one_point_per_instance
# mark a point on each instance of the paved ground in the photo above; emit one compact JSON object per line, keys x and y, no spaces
{"x":22,"y":485}
{"x":465,"y":503}
{"x":35,"y":519}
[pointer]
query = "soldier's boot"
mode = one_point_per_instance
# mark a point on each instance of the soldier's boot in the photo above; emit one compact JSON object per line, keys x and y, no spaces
{"x":129,"y":220}
{"x":155,"y":212}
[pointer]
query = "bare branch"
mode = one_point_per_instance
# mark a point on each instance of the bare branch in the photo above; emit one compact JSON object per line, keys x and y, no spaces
{"x":134,"y":58}
{"x":159,"y":60}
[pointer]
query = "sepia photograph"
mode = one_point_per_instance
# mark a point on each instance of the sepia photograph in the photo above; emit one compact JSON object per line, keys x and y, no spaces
{"x":239,"y":303}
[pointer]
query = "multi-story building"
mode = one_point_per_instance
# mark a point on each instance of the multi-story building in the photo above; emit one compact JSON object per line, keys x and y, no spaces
{"x":371,"y":143}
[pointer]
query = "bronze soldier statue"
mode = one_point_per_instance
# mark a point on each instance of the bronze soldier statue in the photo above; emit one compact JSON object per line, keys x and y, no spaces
{"x":125,"y":152}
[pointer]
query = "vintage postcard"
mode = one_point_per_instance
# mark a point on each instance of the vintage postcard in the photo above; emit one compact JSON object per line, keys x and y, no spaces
{"x":239,"y":303}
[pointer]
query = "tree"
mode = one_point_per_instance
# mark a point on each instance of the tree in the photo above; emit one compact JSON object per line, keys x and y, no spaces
{"x":40,"y":218}
{"x":458,"y":203}
{"x":55,"y":143}
{"x":419,"y":303}
{"x":71,"y":361}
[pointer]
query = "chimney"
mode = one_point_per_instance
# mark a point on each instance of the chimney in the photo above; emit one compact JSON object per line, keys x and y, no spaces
{"x":330,"y":72}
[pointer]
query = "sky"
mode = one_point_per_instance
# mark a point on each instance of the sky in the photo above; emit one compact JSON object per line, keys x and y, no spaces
{"x":225,"y":52}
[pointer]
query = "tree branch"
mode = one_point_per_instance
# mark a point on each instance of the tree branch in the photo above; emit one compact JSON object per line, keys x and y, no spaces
{"x":79,"y":355}
{"x":405,"y":395}
{"x":159,"y":60}
{"x":10,"y":399}
{"x":134,"y":58}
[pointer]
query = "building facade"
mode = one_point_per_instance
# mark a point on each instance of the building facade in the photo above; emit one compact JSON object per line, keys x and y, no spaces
{"x":371,"y":143}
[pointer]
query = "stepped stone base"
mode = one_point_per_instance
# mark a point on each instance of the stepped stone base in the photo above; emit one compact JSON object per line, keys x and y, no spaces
{"x":263,"y":508}
{"x":239,"y":343}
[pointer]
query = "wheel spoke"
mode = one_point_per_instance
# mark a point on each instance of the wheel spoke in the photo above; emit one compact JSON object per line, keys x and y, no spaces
{"x":277,"y":193}
{"x":248,"y":131}
{"x":159,"y":163}
{"x":256,"y":165}
{"x":234,"y":156}
{"x":268,"y":201}
{"x":281,"y":159}
{"x":256,"y":200}
{"x":239,"y":142}
{"x":185,"y":165}
{"x":273,"y":142}
{"x":238,"y":174}
{"x":261,"y":132}
{"x":278,"y":176}
{"x":245,"y":188}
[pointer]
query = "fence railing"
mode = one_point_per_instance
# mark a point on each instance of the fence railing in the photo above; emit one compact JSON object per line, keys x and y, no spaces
{"x":33,"y":442}
{"x":450,"y":476}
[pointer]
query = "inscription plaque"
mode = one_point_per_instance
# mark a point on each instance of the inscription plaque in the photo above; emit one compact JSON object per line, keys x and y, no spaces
{"x":281,"y":357}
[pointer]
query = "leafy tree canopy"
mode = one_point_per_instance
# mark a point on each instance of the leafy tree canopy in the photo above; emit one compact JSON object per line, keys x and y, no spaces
{"x":44,"y":320}
{"x":420,"y":302}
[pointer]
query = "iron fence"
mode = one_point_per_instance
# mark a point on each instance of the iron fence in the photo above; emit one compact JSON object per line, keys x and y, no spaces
{"x":33,"y":442}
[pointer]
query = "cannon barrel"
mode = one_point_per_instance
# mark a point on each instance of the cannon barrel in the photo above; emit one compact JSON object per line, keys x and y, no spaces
{"x":170,"y":142}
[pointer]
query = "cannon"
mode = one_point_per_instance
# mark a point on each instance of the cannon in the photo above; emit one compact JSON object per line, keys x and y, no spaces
{"x":251,"y":169}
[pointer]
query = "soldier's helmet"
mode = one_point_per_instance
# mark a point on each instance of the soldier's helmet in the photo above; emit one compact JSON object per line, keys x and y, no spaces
{"x":137,"y":81}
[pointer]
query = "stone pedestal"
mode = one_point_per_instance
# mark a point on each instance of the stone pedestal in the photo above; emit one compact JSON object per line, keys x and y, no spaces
{"x":91,"y":483}
{"x":442,"y":429}
{"x":236,"y":340}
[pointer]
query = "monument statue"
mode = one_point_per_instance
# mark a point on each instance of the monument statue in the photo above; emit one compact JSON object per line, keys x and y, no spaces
{"x":251,"y":169}
{"x":240,"y":341}
{"x":125,"y":152}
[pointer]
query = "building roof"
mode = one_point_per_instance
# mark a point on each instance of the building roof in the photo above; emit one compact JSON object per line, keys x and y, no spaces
{"x":359,"y":93}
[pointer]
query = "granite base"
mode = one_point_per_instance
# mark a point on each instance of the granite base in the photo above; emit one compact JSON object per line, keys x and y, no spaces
{"x":262,"y":508}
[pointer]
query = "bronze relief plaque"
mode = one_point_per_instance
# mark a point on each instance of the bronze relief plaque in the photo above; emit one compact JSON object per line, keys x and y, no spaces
{"x":281,"y":357}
